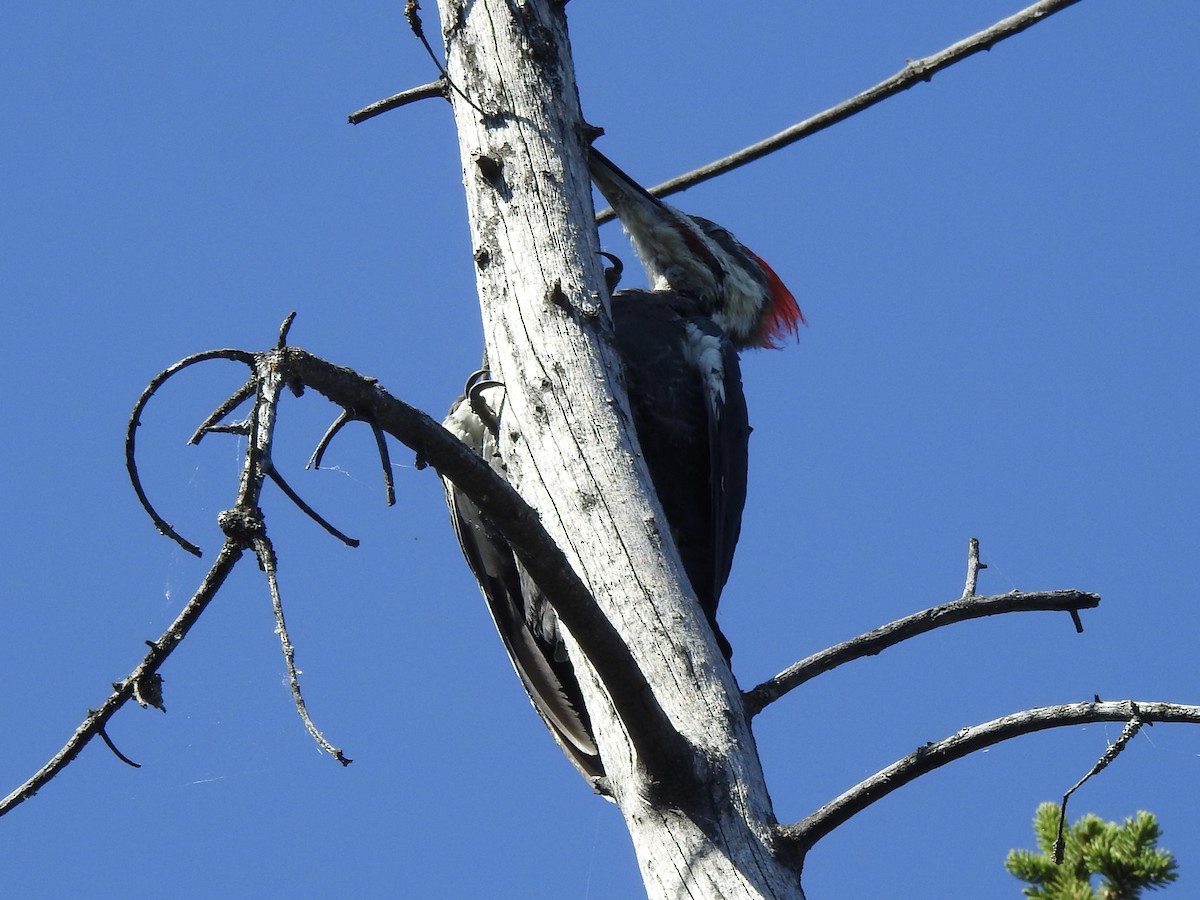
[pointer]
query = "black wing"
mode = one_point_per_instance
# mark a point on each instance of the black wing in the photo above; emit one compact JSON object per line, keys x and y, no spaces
{"x":526,"y":622}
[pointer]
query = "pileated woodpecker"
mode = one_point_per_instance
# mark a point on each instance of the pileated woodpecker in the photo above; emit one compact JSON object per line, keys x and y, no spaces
{"x":678,"y":344}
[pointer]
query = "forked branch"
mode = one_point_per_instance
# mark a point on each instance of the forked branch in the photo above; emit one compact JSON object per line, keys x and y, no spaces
{"x":659,"y":744}
{"x":808,"y":831}
{"x":243,"y":527}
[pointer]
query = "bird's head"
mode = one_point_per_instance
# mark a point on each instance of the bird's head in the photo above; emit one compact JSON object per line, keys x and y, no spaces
{"x":699,"y":258}
{"x":752,"y":303}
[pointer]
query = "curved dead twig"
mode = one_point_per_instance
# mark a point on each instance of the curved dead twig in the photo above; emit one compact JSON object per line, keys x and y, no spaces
{"x":108,"y":742}
{"x":385,"y":456}
{"x":893,"y":633}
{"x":318,"y":454}
{"x":302,"y":505}
{"x":135,"y":419}
{"x":385,"y":460}
{"x":805,"y":833}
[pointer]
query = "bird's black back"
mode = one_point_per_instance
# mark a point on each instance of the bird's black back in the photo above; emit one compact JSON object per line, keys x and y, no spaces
{"x":695,"y":445}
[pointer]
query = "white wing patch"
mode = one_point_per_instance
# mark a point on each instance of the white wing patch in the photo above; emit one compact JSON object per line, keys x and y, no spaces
{"x":704,"y":352}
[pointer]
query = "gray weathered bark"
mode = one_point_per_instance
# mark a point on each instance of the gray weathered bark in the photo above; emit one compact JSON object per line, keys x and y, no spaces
{"x":703,"y":828}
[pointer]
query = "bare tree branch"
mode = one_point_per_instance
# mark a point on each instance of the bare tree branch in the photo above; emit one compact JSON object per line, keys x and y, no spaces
{"x":925,"y":759}
{"x":268,"y":562}
{"x":135,"y":419}
{"x":270,"y":381}
{"x":244,"y":528}
{"x":914,"y":73}
{"x":1132,"y":727}
{"x":412,"y":95}
{"x":874,"y":642}
{"x":96,"y":719}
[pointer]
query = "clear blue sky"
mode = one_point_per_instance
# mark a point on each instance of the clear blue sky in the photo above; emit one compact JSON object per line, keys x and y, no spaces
{"x":1001,"y":270}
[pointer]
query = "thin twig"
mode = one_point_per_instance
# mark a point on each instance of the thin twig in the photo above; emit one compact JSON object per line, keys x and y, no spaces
{"x":273,"y":474}
{"x":1132,"y":727}
{"x":96,"y":719}
{"x":973,"y":567}
{"x":270,"y":382}
{"x":318,"y":454}
{"x":914,"y":73}
{"x":135,"y":419}
{"x":412,"y":13}
{"x":808,"y":831}
{"x":117,"y":753}
{"x":385,"y":460}
{"x":267,"y":561}
{"x":412,"y":95}
{"x":893,"y":633}
{"x":284,"y":328}
{"x":236,"y":399}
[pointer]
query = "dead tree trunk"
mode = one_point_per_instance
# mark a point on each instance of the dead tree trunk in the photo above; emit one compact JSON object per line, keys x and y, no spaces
{"x":700,"y":817}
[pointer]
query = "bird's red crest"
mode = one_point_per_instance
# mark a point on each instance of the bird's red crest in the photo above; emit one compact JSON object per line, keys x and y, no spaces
{"x":782,"y":317}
